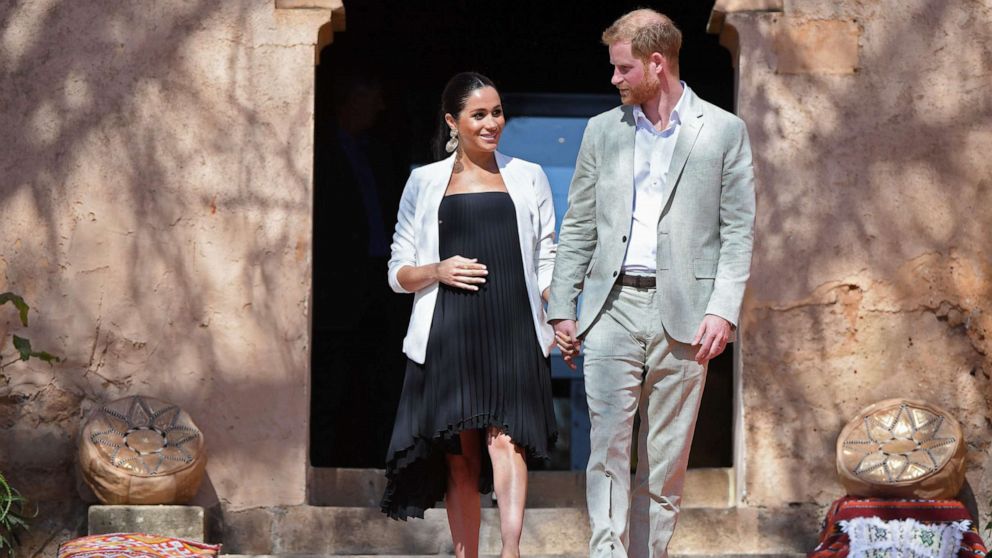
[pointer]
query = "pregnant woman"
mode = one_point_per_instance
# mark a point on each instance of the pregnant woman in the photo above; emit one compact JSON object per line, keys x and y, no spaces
{"x":475,"y":242}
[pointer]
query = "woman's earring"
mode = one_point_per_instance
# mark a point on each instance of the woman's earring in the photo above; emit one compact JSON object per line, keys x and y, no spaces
{"x":452,"y":144}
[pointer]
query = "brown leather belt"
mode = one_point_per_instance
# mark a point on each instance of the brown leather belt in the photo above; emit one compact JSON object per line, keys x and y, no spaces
{"x":638,"y":281}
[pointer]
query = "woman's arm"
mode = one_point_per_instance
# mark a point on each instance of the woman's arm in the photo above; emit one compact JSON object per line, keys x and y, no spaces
{"x":405,"y":276}
{"x":546,"y":247}
{"x":455,"y":271}
{"x":403,"y":251}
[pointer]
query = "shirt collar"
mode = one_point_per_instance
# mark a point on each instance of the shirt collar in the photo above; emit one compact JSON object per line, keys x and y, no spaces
{"x":673,"y":119}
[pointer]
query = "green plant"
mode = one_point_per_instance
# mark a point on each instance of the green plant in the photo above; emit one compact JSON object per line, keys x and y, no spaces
{"x":21,"y":344}
{"x":12,"y":517}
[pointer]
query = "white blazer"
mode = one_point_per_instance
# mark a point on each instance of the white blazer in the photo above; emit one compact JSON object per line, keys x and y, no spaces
{"x":415,"y":241}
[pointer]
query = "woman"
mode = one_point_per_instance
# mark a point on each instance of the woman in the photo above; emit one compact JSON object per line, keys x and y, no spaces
{"x":475,"y":241}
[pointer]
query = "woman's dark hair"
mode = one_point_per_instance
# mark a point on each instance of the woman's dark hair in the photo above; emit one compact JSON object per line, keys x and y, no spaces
{"x":453,"y":99}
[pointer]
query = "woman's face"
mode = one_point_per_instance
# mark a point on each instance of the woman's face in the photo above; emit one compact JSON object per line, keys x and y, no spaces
{"x":481,"y":121}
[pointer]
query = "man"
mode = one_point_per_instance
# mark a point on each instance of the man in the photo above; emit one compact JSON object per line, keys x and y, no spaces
{"x":657,"y":240}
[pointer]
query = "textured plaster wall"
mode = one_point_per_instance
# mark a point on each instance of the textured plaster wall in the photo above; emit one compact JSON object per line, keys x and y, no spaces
{"x":155,"y":190}
{"x":872,"y":274}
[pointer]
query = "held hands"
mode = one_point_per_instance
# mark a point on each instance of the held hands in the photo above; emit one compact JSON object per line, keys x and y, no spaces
{"x":463,"y":273}
{"x":712,"y":337}
{"x":568,"y":343}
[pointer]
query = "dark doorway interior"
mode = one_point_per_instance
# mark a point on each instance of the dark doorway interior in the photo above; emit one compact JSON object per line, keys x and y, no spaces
{"x":378,"y":87}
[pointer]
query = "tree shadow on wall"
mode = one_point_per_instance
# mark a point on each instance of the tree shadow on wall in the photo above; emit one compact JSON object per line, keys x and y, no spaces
{"x":156,"y":194}
{"x":871,"y":276}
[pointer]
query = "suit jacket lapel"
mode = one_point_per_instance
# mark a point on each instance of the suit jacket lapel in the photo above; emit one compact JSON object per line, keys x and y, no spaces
{"x":625,"y":161}
{"x":436,"y":186}
{"x":515,"y":187}
{"x":692,"y":123}
{"x":524,"y":204}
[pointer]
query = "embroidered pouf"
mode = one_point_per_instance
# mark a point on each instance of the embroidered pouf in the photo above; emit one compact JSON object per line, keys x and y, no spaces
{"x":135,"y":545}
{"x":901,"y":448}
{"x":895,"y":528}
{"x":140,"y":450}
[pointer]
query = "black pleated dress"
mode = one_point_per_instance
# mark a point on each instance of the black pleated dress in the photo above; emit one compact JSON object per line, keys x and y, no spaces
{"x":483,"y":367}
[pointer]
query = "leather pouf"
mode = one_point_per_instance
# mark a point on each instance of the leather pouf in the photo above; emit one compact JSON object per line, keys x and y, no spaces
{"x":139,"y":450}
{"x":900,"y":448}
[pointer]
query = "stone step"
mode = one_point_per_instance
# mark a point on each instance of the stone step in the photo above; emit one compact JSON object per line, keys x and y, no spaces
{"x":324,"y":531}
{"x":704,"y":488}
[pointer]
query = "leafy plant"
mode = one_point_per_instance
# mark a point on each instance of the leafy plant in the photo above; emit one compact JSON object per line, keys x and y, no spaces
{"x":21,"y":344}
{"x":12,"y":517}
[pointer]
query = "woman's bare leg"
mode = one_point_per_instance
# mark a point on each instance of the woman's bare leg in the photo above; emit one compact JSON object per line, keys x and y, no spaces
{"x":510,"y":485}
{"x":462,"y":497}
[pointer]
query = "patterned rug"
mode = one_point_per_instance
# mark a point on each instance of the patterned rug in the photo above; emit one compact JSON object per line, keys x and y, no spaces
{"x":135,"y":545}
{"x":884,"y":528}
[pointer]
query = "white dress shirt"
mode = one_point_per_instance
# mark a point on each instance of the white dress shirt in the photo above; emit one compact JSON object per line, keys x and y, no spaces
{"x":653,"y":152}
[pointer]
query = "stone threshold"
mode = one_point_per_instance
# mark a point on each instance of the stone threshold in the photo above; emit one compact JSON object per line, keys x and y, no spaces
{"x":300,"y":531}
{"x":328,"y":486}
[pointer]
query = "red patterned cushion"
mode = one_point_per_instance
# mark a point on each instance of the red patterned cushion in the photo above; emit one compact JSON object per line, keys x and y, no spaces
{"x":135,"y":545}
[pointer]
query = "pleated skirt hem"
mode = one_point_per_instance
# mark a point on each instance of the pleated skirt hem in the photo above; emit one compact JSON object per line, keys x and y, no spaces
{"x":423,"y":453}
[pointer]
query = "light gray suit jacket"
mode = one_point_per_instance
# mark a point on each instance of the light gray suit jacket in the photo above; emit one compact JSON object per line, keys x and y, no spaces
{"x":704,"y":234}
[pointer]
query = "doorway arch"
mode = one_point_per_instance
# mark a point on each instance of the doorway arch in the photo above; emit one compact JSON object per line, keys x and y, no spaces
{"x":405,"y":53}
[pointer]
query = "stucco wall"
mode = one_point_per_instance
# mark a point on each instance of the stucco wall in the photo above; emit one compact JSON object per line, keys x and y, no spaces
{"x":872,"y":275}
{"x":155,"y":191}
{"x":155,"y":185}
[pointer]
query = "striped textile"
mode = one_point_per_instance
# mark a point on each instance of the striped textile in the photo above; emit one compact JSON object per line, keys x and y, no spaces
{"x":135,"y":545}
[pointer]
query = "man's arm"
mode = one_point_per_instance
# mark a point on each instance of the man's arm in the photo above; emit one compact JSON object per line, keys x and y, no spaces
{"x":736,"y":228}
{"x":577,"y":237}
{"x":736,"y":238}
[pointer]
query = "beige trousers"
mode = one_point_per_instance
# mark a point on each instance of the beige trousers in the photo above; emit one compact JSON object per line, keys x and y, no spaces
{"x":631,"y":366}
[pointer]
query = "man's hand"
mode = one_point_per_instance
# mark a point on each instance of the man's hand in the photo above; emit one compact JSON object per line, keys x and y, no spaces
{"x":712,"y":337}
{"x":567,"y":342}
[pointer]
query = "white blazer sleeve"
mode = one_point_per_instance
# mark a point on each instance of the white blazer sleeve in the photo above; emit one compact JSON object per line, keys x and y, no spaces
{"x":404,"y":247}
{"x":546,"y":246}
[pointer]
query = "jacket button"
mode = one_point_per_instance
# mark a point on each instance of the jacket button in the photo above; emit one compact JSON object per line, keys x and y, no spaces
{"x":614,"y":273}
{"x":624,"y":239}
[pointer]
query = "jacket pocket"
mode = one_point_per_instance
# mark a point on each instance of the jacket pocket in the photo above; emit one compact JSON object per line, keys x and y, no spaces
{"x":704,"y":268}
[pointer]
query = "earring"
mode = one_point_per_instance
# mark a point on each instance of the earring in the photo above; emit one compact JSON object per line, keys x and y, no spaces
{"x":452,"y":144}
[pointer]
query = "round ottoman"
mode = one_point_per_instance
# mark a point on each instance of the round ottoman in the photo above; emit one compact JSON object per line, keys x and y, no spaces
{"x":901,"y":448}
{"x":140,"y":450}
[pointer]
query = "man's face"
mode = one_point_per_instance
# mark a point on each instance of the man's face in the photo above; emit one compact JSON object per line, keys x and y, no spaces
{"x":630,"y":76}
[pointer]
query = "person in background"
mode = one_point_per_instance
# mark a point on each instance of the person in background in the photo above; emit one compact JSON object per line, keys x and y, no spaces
{"x":357,"y":183}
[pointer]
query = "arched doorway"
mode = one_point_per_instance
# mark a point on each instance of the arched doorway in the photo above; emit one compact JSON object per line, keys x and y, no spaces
{"x":377,"y":92}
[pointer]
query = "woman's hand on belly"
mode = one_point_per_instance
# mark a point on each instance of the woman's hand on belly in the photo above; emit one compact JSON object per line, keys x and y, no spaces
{"x":456,"y":271}
{"x":461,"y":273}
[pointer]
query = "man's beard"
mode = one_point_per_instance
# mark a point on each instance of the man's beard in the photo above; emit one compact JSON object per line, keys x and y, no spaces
{"x":644,"y":91}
